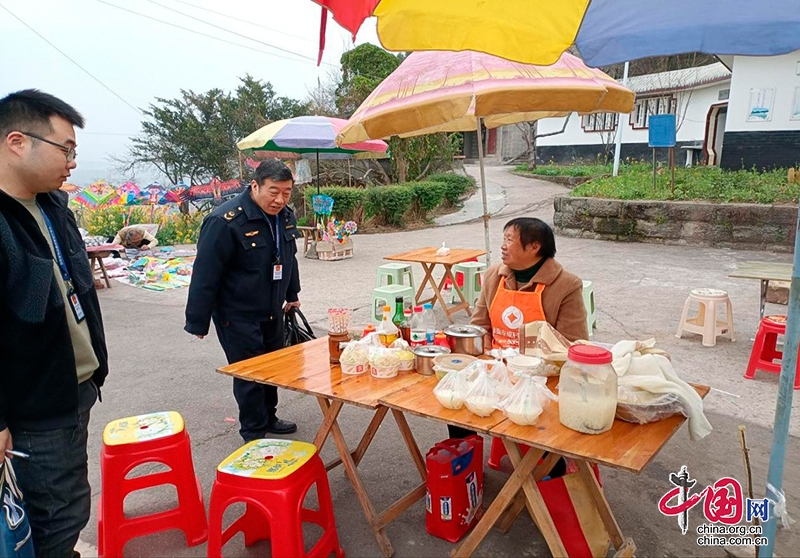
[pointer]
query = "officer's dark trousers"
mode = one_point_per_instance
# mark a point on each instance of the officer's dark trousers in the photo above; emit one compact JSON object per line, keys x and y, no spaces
{"x":242,"y":340}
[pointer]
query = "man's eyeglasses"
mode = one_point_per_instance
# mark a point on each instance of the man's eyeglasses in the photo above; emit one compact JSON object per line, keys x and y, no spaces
{"x":68,"y":151}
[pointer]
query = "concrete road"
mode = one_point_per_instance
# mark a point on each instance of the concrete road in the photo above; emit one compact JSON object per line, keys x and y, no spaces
{"x":640,"y":290}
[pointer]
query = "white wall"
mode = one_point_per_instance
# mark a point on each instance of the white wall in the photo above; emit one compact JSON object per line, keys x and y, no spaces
{"x":778,"y":72}
{"x":694,"y":105}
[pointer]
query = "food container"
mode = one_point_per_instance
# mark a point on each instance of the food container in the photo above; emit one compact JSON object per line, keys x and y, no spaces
{"x":466,"y":339}
{"x":407,"y":359}
{"x":424,"y":355}
{"x":587,"y":391}
{"x":442,"y":364}
{"x":524,"y":365}
{"x":383,"y":363}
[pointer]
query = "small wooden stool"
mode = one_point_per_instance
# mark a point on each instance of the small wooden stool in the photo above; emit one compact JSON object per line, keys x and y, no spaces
{"x":395,"y":274}
{"x":765,"y":351}
{"x":385,"y":295}
{"x":705,"y":322}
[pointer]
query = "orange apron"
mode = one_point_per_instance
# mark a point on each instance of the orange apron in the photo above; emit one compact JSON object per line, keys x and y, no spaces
{"x":510,"y":310}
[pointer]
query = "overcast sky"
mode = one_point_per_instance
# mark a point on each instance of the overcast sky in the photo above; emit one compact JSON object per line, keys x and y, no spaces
{"x":138,"y":59}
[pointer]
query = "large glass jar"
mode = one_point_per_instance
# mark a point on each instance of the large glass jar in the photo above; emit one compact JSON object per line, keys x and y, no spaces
{"x":587,"y":392}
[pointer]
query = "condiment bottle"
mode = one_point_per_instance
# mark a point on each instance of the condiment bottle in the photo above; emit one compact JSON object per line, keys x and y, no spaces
{"x":441,"y":339}
{"x":405,"y":326}
{"x":387,"y":331}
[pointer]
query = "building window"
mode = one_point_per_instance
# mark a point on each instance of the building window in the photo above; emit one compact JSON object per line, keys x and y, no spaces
{"x":602,"y":122}
{"x":648,"y":106}
{"x":724,"y":94}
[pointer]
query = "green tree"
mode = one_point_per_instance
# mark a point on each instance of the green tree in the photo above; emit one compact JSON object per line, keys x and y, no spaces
{"x":363,"y":68}
{"x":194,"y":136}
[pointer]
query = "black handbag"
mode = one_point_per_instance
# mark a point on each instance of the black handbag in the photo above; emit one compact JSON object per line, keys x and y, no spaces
{"x":296,"y":331}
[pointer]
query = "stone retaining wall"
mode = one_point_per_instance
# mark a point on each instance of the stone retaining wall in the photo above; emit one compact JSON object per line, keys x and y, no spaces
{"x":742,"y":226}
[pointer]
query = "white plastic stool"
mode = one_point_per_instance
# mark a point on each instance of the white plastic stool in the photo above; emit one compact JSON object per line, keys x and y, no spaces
{"x":385,"y":295}
{"x":705,"y":322}
{"x":473,"y":277}
{"x":588,"y":302}
{"x":395,"y":274}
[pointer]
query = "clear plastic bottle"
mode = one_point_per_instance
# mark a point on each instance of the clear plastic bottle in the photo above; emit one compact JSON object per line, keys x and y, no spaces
{"x":417,"y":328}
{"x":429,"y":319}
{"x":587,"y":391}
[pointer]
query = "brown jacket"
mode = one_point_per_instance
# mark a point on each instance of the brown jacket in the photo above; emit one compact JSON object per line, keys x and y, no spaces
{"x":562,"y":297}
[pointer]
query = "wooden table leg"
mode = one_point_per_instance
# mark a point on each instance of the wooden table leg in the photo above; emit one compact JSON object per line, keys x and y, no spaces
{"x":501,"y":501}
{"x":450,"y":310}
{"x":535,"y":503}
{"x":516,"y":507}
{"x":358,"y":485}
{"x":103,"y":271}
{"x":596,"y":492}
{"x":411,"y":443}
{"x":330,"y":412}
{"x":425,"y":280}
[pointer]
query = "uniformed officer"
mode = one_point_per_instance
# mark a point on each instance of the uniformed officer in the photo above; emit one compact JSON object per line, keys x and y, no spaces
{"x":244,"y":278}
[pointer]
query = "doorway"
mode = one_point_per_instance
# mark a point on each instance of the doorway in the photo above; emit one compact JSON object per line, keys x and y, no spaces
{"x":715,"y":131}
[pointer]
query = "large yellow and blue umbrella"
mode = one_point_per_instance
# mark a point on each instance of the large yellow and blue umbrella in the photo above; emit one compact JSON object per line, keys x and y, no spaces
{"x":604,"y":31}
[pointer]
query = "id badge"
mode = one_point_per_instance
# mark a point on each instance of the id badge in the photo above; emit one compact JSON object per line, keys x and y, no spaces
{"x":277,"y":272}
{"x":77,"y":309}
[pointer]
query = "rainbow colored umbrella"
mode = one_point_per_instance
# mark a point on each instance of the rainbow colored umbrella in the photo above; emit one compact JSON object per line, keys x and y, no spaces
{"x":604,"y":31}
{"x":309,"y":134}
{"x":461,"y":91}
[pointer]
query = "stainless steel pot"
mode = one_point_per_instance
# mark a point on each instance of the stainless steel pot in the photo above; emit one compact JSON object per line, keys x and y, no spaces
{"x":465,"y":339}
{"x":424,"y":355}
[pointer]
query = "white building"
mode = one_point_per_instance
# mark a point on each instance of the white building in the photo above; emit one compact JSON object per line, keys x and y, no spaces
{"x":763,"y":122}
{"x":698,"y":97}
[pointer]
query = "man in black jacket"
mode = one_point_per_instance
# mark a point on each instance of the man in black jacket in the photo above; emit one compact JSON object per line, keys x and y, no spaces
{"x":245,"y":276}
{"x":54,"y":356}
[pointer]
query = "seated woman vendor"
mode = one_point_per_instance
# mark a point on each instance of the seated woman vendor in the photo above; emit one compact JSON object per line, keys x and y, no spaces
{"x":135,"y":237}
{"x":528,"y":286}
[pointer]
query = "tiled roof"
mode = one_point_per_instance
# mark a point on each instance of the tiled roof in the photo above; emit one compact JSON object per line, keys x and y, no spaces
{"x":679,"y":79}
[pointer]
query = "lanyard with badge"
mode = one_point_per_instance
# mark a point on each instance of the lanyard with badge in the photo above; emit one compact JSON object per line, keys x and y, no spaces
{"x":72,"y":296}
{"x":277,"y":266}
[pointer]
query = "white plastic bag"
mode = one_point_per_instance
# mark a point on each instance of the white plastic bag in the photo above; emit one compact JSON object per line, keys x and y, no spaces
{"x":527,"y":400}
{"x":451,"y":390}
{"x":482,"y":399}
{"x":473,"y":369}
{"x":383,"y":363}
{"x":443,"y":251}
{"x":500,"y":374}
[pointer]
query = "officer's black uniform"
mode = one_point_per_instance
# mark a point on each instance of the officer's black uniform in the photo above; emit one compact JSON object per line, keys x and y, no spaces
{"x":232,"y":282}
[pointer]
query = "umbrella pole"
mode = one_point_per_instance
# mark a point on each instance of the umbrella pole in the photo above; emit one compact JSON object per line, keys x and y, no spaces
{"x":483,"y":195}
{"x":317,"y":171}
{"x":783,"y":411}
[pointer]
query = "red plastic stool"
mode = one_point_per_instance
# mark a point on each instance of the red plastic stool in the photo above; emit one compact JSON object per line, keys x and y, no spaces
{"x":273,"y":477}
{"x":133,"y":441}
{"x":459,"y":277}
{"x":498,"y":452}
{"x":765,"y":352}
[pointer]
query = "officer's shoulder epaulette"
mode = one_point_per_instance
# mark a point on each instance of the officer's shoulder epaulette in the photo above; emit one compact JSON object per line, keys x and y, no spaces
{"x":232,"y":214}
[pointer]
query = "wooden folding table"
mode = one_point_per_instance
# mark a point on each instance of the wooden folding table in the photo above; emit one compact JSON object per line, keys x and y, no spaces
{"x":765,"y":272}
{"x":626,"y":446}
{"x":96,"y":255}
{"x":306,"y":368}
{"x":428,"y":259}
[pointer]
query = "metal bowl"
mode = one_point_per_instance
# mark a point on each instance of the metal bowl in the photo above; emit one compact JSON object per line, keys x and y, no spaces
{"x":424,"y":355}
{"x":466,"y":339}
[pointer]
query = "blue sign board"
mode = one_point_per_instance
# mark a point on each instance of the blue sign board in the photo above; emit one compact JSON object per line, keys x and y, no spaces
{"x":662,"y":130}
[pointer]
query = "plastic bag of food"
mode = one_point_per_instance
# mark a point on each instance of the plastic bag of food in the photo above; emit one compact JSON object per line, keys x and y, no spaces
{"x":540,"y":339}
{"x":404,"y":354}
{"x":443,"y":251}
{"x":383,"y":362}
{"x":500,"y":374}
{"x":527,"y":400}
{"x":482,"y":399}
{"x":503,"y":354}
{"x":473,"y":369}
{"x":639,"y":406}
{"x":451,"y":390}
{"x":355,"y":358}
